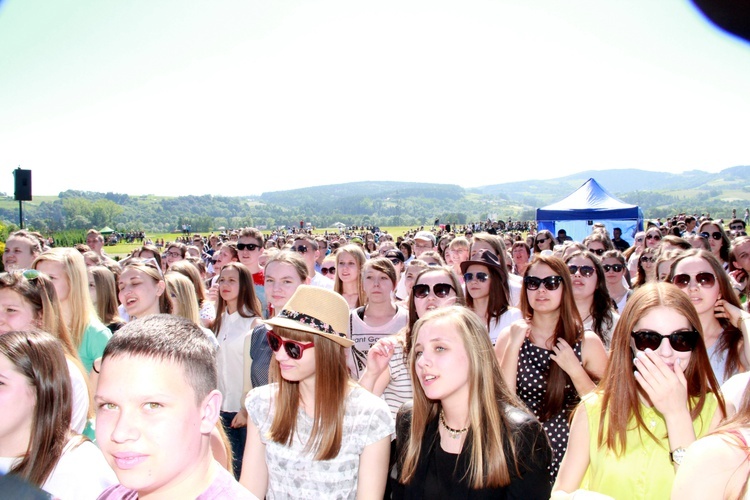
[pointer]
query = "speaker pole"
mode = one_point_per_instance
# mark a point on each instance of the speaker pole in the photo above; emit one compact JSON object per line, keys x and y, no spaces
{"x":20,"y":212}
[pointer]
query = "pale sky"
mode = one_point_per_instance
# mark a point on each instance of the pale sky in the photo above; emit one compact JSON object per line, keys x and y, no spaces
{"x":178,"y":97}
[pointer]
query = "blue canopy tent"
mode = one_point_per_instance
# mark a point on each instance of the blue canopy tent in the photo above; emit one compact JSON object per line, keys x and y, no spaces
{"x":588,"y":204}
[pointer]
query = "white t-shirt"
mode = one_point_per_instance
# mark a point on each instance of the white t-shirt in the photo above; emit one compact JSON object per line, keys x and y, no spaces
{"x":292,"y":472}
{"x":80,"y":398}
{"x":508,"y":317}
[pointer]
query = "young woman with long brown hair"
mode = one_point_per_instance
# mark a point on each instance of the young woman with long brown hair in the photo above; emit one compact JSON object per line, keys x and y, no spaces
{"x":548,"y":360}
{"x":314,"y":432}
{"x":349,"y":262}
{"x":658,"y":394}
{"x":466,"y":435}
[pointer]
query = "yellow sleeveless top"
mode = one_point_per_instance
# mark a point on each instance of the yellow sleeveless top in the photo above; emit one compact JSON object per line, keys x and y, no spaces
{"x":645,"y":469}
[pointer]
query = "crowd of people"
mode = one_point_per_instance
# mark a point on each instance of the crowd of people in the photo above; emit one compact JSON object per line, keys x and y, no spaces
{"x":482,"y":360}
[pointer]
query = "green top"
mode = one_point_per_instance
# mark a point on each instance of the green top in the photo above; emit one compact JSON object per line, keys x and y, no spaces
{"x":95,"y":339}
{"x":645,"y":470}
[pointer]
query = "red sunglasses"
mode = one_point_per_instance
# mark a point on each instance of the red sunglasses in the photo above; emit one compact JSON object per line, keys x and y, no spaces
{"x":292,"y":348}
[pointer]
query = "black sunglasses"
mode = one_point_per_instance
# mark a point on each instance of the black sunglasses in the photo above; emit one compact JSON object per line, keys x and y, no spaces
{"x":681,"y":340}
{"x":704,"y":280}
{"x":298,"y":248}
{"x":395,"y":262}
{"x":292,"y":348}
{"x":250,"y":246}
{"x":653,"y":237}
{"x":441,"y":290}
{"x":715,"y":235}
{"x":597,"y":251}
{"x":550,"y":282}
{"x":585,"y":271}
{"x":647,"y":259}
{"x":614,"y":267}
{"x":481,"y":277}
{"x":541,"y":240}
{"x":328,"y":270}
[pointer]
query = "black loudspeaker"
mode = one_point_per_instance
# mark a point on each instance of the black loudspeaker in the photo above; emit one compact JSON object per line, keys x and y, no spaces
{"x":23,"y":184}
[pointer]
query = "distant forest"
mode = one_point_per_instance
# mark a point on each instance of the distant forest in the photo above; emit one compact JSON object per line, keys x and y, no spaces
{"x":382,"y":203}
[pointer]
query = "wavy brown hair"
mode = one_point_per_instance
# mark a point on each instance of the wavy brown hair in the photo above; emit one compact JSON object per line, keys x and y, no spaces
{"x":331,"y":384}
{"x":569,"y":328}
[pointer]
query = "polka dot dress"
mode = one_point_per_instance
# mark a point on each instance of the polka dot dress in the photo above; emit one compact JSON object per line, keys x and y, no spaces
{"x":531,"y":385}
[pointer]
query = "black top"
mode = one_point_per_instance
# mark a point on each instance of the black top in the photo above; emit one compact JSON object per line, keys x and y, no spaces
{"x":441,"y":474}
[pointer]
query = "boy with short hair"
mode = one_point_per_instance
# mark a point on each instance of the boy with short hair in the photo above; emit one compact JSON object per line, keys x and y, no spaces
{"x":157,"y":405}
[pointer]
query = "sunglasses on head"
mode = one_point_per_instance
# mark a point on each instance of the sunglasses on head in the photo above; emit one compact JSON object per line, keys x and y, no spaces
{"x":597,"y":251}
{"x":293,"y":349}
{"x":585,"y":271}
{"x":299,"y":249}
{"x":704,"y":280}
{"x":614,"y":267}
{"x":441,"y":290}
{"x":249,"y":246}
{"x":681,"y":340}
{"x":480,"y":277}
{"x":328,"y":270}
{"x":715,"y":235}
{"x":550,"y":282}
{"x":653,"y":237}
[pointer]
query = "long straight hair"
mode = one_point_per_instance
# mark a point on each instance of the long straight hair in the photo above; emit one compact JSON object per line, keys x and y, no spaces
{"x":248,"y":304}
{"x":730,"y":340}
{"x":490,"y":430}
{"x":39,"y":357}
{"x":359,"y":255}
{"x":499,"y":297}
{"x":602,"y":305}
{"x":619,"y":389}
{"x":331,"y":383}
{"x":78,"y":307}
{"x":569,"y":328}
{"x":106,"y":294}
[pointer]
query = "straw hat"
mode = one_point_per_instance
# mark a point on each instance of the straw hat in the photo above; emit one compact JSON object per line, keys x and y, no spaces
{"x":316,"y":310}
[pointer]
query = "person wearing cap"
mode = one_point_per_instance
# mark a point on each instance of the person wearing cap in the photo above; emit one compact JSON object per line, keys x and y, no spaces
{"x":423,"y":241}
{"x":397,"y":259}
{"x":314,"y":432}
{"x":485,"y":294}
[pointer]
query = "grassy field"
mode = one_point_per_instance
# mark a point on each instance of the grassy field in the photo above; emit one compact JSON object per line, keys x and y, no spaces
{"x":124,"y":249}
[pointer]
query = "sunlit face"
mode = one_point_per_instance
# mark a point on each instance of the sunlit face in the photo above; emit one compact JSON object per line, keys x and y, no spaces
{"x":421,"y":246}
{"x":229,"y":286}
{"x":93,"y":242}
{"x":613,"y":277}
{"x":544,"y":242}
{"x":16,"y":313}
{"x":478,"y":247}
{"x":662,"y":270}
{"x":298,"y":370}
{"x":411,"y":274}
{"x":310,"y":255}
{"x":596,"y":247}
{"x":475,"y":287}
{"x":173,"y":255}
{"x":249,"y":257}
{"x":583,"y":287}
{"x":714,"y":244}
{"x":653,"y":238}
{"x":703,"y":298}
{"x":742,"y":256}
{"x":378,"y":286}
{"x":17,"y":254}
{"x":459,"y":254}
{"x":223,"y":258}
{"x":520,"y":256}
{"x":665,"y":320}
{"x":148,"y":424}
{"x":17,"y":399}
{"x":543,"y":300}
{"x":92,"y":289}
{"x":56,"y":273}
{"x":347,"y":267}
{"x":281,"y":282}
{"x":139,"y":293}
{"x":431,"y":301}
{"x":442,"y":363}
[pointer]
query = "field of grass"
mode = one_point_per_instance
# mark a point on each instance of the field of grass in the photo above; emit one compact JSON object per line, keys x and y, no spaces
{"x":123,"y":249}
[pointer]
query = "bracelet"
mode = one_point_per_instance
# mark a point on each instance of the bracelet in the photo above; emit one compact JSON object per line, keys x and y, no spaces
{"x":743,"y":317}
